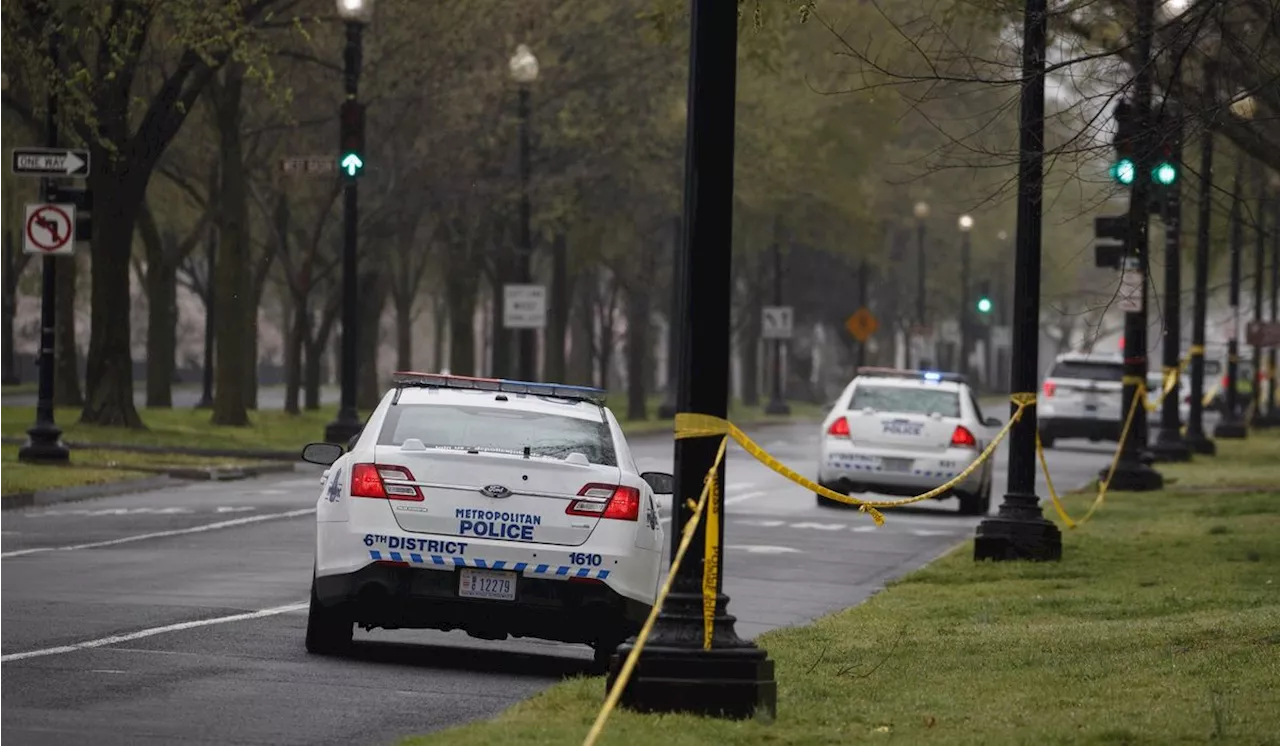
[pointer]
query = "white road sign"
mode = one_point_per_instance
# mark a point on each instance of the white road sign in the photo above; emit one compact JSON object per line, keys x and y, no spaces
{"x":1130,"y":296}
{"x":50,"y":229}
{"x":776,"y":322}
{"x":1001,"y":336}
{"x":49,"y":162}
{"x":309,"y":164}
{"x":524,"y":306}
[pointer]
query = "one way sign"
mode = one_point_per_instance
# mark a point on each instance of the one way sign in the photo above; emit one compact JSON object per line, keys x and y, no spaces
{"x":776,"y":322}
{"x":49,"y":162}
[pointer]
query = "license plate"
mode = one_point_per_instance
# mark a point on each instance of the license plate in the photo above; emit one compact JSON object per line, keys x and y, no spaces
{"x":493,"y":585}
{"x":896,"y":464}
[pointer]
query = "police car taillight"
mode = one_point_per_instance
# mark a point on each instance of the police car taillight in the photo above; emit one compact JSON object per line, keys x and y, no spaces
{"x":1049,"y":388}
{"x":962,"y":438}
{"x":369,"y":480}
{"x":607,"y":501}
{"x":839,"y":427}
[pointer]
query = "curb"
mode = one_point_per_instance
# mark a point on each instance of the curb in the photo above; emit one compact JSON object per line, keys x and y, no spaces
{"x":262,"y":455}
{"x":85,"y":492}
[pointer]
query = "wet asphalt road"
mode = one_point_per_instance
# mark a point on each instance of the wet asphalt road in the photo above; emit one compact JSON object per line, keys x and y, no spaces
{"x":182,"y":620}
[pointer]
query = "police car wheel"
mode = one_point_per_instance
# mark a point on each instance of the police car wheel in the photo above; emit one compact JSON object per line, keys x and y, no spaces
{"x":1046,"y":439}
{"x":328,"y":628}
{"x":970,"y":504}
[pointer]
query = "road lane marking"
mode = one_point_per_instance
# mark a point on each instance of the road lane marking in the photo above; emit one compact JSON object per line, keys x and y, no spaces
{"x":740,"y":498}
{"x":762,"y":549}
{"x":162,"y":534}
{"x":822,"y":526}
{"x":114,"y":639}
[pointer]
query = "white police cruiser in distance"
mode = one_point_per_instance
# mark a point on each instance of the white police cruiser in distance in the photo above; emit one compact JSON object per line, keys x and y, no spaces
{"x":497,"y":507}
{"x":905,"y":432}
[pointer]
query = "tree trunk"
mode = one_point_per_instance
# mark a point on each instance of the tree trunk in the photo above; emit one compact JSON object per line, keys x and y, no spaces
{"x":10,"y":280}
{"x":404,"y":332}
{"x":119,"y":189}
{"x":439,"y":318}
{"x":232,"y":286}
{"x":639,"y":349}
{"x":311,"y":382}
{"x":66,"y":359}
{"x":162,"y":312}
{"x":502,"y":361}
{"x":581,"y":353}
{"x":749,"y":339}
{"x":558,"y":321}
{"x":372,"y":299}
{"x":293,"y":345}
{"x":460,"y":296}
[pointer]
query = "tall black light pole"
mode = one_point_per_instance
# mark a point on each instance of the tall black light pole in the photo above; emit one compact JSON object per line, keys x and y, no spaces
{"x":524,"y":71}
{"x":1259,"y":257}
{"x":921,"y":211}
{"x":1273,"y":376}
{"x":777,"y":400}
{"x":1196,"y":438}
{"x":1019,"y":530}
{"x":44,"y":439}
{"x":206,"y":374}
{"x":1132,"y":472}
{"x":965,"y":224}
{"x":1169,"y":444}
{"x":356,"y":13}
{"x":667,"y":409}
{"x":735,"y":678}
{"x":1232,"y":425}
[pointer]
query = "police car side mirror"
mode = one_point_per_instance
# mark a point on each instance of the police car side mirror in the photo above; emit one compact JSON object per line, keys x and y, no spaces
{"x":323,"y":454}
{"x":661,"y":483}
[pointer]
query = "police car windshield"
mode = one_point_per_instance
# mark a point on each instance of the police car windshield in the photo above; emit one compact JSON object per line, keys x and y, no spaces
{"x":498,"y":430}
{"x":906,"y":400}
{"x":1088,"y":371}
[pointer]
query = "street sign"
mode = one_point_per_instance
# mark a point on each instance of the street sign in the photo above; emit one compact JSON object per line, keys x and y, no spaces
{"x":1262,"y":334}
{"x":49,"y":162}
{"x":950,"y":331}
{"x":1130,"y":295}
{"x":776,"y":322}
{"x":524,"y":306}
{"x":1001,"y":336}
{"x":308,"y":165}
{"x":862,"y":324}
{"x":50,"y":229}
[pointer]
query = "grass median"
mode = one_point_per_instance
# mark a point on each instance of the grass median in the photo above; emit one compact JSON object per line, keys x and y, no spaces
{"x":275,"y":430}
{"x":1160,"y":625}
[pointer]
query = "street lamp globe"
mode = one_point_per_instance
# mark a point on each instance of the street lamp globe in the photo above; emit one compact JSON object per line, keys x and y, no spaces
{"x":524,"y":66}
{"x":965,"y":223}
{"x":1244,"y":106}
{"x":922,"y":210}
{"x":1003,"y":236}
{"x":357,"y":11}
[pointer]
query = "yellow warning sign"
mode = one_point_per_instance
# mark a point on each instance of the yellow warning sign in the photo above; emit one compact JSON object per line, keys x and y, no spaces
{"x":862,"y":324}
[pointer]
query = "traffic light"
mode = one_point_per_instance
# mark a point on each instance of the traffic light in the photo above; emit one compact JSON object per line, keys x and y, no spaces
{"x":1123,"y":167}
{"x":1111,"y":237}
{"x":1168,"y":150}
{"x":351,"y":139}
{"x":984,"y":303}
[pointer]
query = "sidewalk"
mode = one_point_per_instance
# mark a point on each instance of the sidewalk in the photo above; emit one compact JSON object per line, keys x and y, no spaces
{"x":1161,"y":624}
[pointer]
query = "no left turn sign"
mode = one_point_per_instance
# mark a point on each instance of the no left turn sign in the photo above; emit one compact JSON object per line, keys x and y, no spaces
{"x":50,"y":229}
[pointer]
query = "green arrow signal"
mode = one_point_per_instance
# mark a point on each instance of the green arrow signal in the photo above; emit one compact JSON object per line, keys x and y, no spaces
{"x":351,"y":163}
{"x":984,"y":305}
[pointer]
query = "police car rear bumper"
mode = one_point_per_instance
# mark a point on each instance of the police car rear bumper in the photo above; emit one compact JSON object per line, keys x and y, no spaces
{"x":865,"y":470}
{"x":390,"y":595}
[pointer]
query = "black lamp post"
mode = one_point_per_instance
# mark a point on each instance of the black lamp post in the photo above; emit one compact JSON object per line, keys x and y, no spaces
{"x":1019,"y":530}
{"x":1169,"y":444}
{"x":1196,"y":438}
{"x":921,"y":211}
{"x":524,"y":71}
{"x":1273,"y":414}
{"x":734,"y":678}
{"x":1232,"y":425}
{"x":1259,"y":258}
{"x":965,"y":224}
{"x":777,"y":401}
{"x":356,"y":13}
{"x":44,"y":439}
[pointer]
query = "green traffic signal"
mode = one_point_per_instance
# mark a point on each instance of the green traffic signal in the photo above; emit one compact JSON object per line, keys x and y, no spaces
{"x":351,"y":163}
{"x":1123,"y":171}
{"x":1165,"y":174}
{"x":984,"y":305}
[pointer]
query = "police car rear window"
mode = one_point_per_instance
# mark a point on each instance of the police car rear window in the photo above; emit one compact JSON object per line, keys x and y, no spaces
{"x":498,"y":430}
{"x":906,"y":400}
{"x":1088,"y":371}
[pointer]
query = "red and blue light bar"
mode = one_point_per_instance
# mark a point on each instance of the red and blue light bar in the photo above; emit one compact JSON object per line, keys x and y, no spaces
{"x":933,"y":376}
{"x":402,"y":379}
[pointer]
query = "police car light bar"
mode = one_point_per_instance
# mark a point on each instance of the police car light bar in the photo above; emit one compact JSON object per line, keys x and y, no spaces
{"x":555,"y":390}
{"x":915,"y":375}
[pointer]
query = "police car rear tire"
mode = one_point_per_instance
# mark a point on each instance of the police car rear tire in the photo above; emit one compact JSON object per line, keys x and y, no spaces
{"x":1046,"y":439}
{"x":329,"y":628}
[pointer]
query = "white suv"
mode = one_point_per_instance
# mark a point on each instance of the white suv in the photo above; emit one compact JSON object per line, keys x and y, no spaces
{"x":1081,"y":398}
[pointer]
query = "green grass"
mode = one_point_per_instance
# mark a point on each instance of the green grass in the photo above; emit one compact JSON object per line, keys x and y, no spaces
{"x":19,"y":388}
{"x":1253,"y":462}
{"x":1160,"y":625}
{"x":278,"y":431}
{"x":96,"y":466}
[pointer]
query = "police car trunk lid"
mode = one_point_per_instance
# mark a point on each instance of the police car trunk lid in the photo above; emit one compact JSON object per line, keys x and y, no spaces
{"x":901,"y":431}
{"x":498,"y":496}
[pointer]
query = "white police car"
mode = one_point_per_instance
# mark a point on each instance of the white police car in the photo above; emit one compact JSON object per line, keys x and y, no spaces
{"x":905,"y":432}
{"x":496,"y":507}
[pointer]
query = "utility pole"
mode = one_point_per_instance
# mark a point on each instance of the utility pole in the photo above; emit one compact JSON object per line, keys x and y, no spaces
{"x":734,"y":678}
{"x":1132,"y":472}
{"x":1019,"y":530}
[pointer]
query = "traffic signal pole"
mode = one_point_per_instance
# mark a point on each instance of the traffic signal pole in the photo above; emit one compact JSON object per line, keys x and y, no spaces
{"x":1195,"y":438}
{"x":1232,"y":424}
{"x":1132,"y":473}
{"x":1169,"y":445}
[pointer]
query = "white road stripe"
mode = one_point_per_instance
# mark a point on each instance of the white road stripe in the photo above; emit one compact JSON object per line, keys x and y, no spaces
{"x":740,"y":498}
{"x":104,"y":641}
{"x":162,"y":534}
